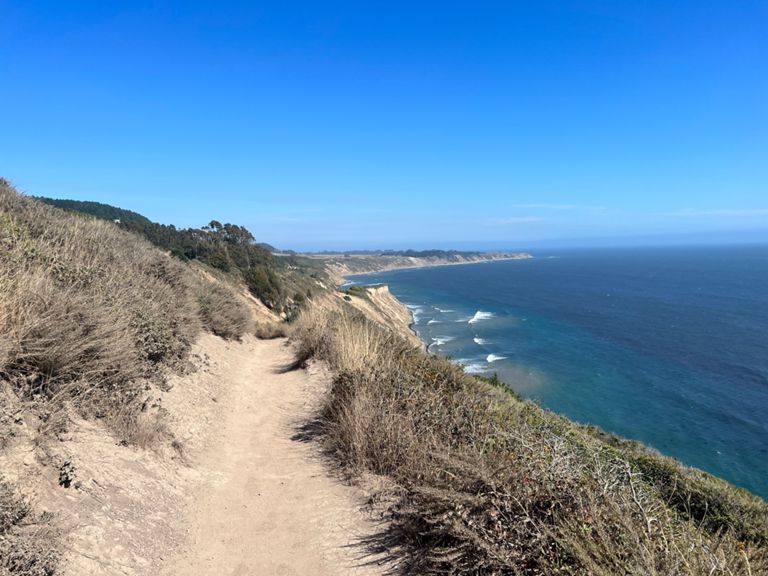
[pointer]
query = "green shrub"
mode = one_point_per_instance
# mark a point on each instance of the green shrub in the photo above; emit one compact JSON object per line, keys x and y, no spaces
{"x":356,"y":290}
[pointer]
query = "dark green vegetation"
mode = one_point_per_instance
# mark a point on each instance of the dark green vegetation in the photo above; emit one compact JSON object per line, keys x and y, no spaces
{"x":355,"y":290}
{"x":482,"y":482}
{"x":226,"y":247}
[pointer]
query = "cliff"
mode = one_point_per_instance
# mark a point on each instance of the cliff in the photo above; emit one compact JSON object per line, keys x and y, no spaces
{"x":338,"y":266}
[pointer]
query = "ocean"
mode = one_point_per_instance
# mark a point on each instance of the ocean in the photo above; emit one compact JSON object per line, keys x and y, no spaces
{"x":668,"y":346}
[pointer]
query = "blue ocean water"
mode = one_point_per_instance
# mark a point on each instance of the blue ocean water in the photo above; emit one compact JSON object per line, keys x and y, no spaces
{"x":666,"y":345}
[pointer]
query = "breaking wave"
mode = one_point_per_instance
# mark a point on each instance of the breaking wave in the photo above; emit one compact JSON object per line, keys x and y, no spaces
{"x":480,"y":315}
{"x":440,"y":340}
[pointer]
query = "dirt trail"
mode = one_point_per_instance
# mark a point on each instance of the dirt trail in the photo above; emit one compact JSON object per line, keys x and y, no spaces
{"x":267,"y":504}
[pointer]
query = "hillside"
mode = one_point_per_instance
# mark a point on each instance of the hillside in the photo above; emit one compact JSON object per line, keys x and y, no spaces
{"x":93,"y":321}
{"x":475,"y":480}
{"x":144,"y":430}
{"x":228,"y":248}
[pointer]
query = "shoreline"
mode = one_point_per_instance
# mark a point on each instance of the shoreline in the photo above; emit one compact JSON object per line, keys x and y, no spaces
{"x":440,"y":265}
{"x":410,"y":326}
{"x":527,"y":382}
{"x":339,"y":272}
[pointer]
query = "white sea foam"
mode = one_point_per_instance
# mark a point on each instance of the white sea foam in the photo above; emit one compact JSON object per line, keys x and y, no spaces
{"x":416,"y":312}
{"x":474,"y":368}
{"x":494,"y":358}
{"x":480,"y":341}
{"x":433,"y":321}
{"x":480,"y":315}
{"x":440,"y":340}
{"x":443,"y":311}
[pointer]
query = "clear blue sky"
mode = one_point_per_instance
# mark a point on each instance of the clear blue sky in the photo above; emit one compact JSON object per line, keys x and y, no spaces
{"x":391,"y":124}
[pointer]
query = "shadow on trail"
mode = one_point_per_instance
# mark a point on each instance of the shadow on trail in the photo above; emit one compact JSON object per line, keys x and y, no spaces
{"x":387,"y":547}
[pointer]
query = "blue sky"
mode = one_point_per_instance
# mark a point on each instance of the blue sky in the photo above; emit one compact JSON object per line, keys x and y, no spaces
{"x":393,"y":124}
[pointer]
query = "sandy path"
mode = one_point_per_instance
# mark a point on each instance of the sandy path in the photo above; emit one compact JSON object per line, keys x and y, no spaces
{"x":269,"y":505}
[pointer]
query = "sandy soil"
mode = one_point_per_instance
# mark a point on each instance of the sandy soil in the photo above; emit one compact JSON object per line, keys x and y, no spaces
{"x":238,"y":492}
{"x":267,"y":504}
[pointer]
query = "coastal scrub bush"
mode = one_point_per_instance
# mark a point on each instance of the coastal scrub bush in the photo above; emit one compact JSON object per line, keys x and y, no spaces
{"x":482,"y":482}
{"x":26,"y":547}
{"x":270,"y":330}
{"x":90,"y":317}
{"x":222,"y":311}
{"x":356,"y":290}
{"x":89,"y":313}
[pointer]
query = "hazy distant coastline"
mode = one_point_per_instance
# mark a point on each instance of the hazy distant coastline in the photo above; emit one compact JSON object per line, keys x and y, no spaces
{"x":340,"y":265}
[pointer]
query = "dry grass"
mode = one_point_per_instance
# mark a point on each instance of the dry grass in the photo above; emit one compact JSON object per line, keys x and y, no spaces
{"x":26,"y":543}
{"x":87,"y":313}
{"x":90,"y":318}
{"x":488,"y":484}
{"x":222,"y":311}
{"x":270,"y":330}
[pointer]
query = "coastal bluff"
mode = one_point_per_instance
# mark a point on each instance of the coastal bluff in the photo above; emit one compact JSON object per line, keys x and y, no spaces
{"x":339,"y":266}
{"x":378,"y":304}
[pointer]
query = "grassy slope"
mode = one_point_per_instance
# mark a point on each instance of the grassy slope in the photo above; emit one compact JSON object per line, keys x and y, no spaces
{"x":228,"y":248}
{"x":90,"y":319}
{"x":483,"y":482}
{"x":282,"y":283}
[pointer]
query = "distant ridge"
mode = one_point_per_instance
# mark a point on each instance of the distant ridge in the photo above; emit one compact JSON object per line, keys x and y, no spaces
{"x":99,"y":210}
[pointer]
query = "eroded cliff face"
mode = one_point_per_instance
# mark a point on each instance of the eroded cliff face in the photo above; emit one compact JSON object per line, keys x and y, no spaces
{"x":377,"y":302}
{"x":379,"y":305}
{"x":382,"y":306}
